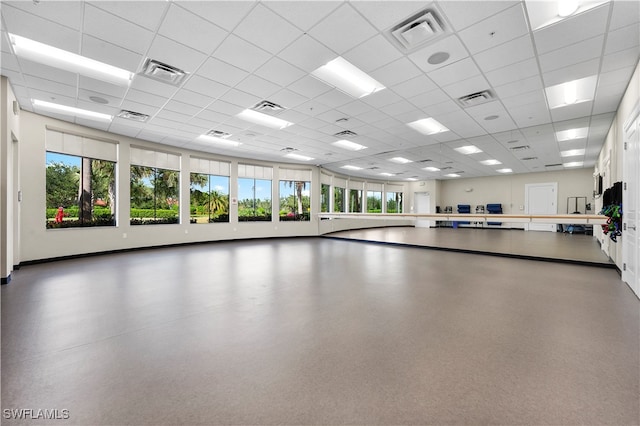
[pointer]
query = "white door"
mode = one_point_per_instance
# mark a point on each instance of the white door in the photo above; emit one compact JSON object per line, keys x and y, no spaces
{"x":541,"y":198}
{"x":422,"y":204}
{"x":630,"y":196}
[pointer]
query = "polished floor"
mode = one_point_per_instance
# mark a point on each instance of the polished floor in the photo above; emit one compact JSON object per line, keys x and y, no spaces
{"x":310,"y":331}
{"x":578,"y":248}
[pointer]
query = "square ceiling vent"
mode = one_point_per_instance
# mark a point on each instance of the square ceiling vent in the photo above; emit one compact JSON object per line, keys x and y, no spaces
{"x":268,"y":107}
{"x":132,"y":115}
{"x":418,"y":30}
{"x":163,"y":72}
{"x":477,"y":98}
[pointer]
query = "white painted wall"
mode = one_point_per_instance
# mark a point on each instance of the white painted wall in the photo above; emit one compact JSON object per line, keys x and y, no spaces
{"x":610,"y":160}
{"x":9,"y":129}
{"x":509,"y":190}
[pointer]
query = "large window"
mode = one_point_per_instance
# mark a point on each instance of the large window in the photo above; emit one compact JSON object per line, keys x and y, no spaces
{"x":355,"y":201}
{"x":209,"y":198}
{"x":374,"y":202}
{"x":295,"y":203}
{"x":338,"y":199}
{"x":155,"y":195}
{"x":394,"y":202}
{"x":254,"y":199}
{"x":81,"y":191}
{"x":324,"y":197}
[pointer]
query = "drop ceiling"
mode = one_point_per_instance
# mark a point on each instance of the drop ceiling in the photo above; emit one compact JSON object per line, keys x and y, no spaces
{"x":239,"y":53}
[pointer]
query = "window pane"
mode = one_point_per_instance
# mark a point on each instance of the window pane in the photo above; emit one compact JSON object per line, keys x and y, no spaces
{"x":374,"y":202}
{"x":263,"y":199}
{"x":199,"y":198}
{"x":355,"y":201}
{"x":219,"y":198}
{"x":324,"y":198}
{"x":254,"y":197}
{"x":394,"y":202}
{"x":295,"y":203}
{"x":80,"y":191}
{"x":155,"y":195}
{"x":338,"y":200}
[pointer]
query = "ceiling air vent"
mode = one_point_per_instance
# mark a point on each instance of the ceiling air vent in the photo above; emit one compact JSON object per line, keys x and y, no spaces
{"x":346,"y":134}
{"x":419,"y":29}
{"x":132,"y":115}
{"x":268,"y":107}
{"x":520,"y":147}
{"x":424,"y":161}
{"x":476,"y":99}
{"x":218,"y":134}
{"x":553,"y":166}
{"x":529,"y":158}
{"x":163,"y":72}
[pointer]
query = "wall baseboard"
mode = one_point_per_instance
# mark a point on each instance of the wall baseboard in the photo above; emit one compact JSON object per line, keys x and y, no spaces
{"x":5,"y":280}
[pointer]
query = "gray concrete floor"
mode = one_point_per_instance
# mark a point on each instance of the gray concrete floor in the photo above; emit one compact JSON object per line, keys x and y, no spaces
{"x":319,"y":331}
{"x":542,"y":245}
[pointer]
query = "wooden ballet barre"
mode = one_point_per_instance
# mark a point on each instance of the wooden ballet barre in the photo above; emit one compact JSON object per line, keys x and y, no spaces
{"x":571,"y":219}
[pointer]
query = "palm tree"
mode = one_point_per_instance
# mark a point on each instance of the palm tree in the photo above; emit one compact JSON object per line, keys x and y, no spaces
{"x":218,"y":202}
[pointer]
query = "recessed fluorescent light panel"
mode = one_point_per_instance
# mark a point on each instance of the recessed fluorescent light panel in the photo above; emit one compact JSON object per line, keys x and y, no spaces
{"x":431,"y":169}
{"x":348,"y":167}
{"x":504,"y":171}
{"x":58,"y":58}
{"x":412,"y":179}
{"x":572,"y":153}
{"x":571,"y":134}
{"x":387,"y":174}
{"x":218,"y":141}
{"x":263,"y":119}
{"x":573,"y":164}
{"x":400,"y":160}
{"x":572,"y":92}
{"x":544,"y":13}
{"x":67,"y":110}
{"x":452,"y":175}
{"x":490,"y":162}
{"x":344,"y":76}
{"x":351,"y":146}
{"x":298,"y":157}
{"x":428,"y":126}
{"x":467,"y":150}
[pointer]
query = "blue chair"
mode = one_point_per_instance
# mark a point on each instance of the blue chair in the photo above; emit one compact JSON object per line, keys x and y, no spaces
{"x":464,"y":209}
{"x":494,"y":209}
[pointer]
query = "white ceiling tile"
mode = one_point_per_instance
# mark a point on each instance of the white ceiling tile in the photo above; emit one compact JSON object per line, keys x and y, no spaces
{"x":121,"y":126}
{"x":139,"y":107}
{"x":574,"y":54}
{"x":261,"y":21}
{"x":513,"y":72}
{"x":307,"y":54}
{"x":26,"y":25}
{"x":146,"y":84}
{"x":303,"y":15}
{"x":623,"y":39}
{"x":398,"y":108}
{"x":624,"y":13}
{"x":432,"y":97}
{"x":68,"y":14}
{"x":85,"y":95}
{"x":227,"y":108}
{"x":619,"y":76}
{"x":173,"y":116}
{"x":181,"y":107}
{"x":396,"y":72}
{"x":221,"y":72}
{"x":51,"y":86}
{"x":309,"y":86}
{"x":355,"y":29}
{"x":258,"y":86}
{"x":279,"y":72}
{"x":467,"y":87}
{"x":506,"y":54}
{"x":110,"y":54}
{"x":572,"y":72}
{"x":205,"y":87}
{"x":354,"y":108}
{"x":445,"y":107}
{"x":518,"y":87}
{"x":450,"y":45}
{"x":191,"y":30}
{"x":240,"y":98}
{"x":536,"y":96}
{"x":381,"y":98}
{"x":383,"y":14}
{"x":498,"y":29}
{"x":372,"y":54}
{"x":621,"y":59}
{"x":113,"y":29}
{"x":569,"y":112}
{"x":287,"y":98}
{"x":572,"y":30}
{"x":241,"y":54}
{"x":462,"y":14}
{"x":175,"y":54}
{"x":334,"y":98}
{"x":144,"y":13}
{"x":413,"y":87}
{"x":48,"y":73}
{"x":192,"y":98}
{"x":460,"y":70}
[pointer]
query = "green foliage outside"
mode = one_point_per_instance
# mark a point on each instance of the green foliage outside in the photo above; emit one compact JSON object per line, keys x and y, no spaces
{"x":155,"y":195}
{"x":374,"y":203}
{"x":207,"y":205}
{"x":254,"y":210}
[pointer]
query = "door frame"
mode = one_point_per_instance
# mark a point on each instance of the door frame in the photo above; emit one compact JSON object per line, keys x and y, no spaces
{"x":554,"y":206}
{"x":422,"y":223}
{"x":630,"y":217}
